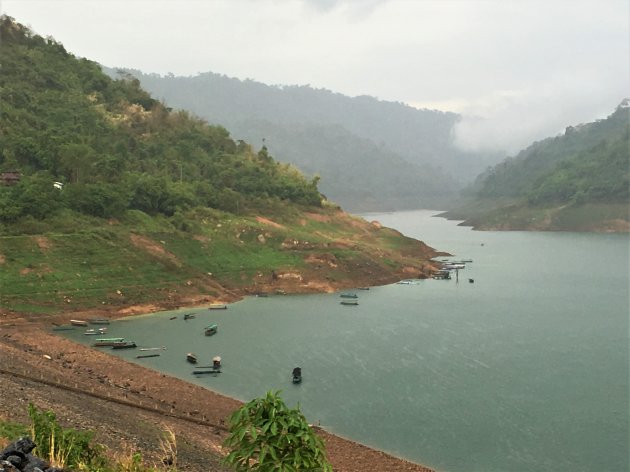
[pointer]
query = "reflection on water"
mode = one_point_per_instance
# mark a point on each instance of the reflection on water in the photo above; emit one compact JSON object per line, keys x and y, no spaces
{"x":526,"y":369}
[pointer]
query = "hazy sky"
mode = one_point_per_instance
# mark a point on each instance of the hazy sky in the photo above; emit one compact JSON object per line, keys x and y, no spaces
{"x":518,"y":70}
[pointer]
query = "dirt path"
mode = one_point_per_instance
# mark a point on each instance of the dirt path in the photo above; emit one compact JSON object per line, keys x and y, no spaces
{"x":130,"y":407}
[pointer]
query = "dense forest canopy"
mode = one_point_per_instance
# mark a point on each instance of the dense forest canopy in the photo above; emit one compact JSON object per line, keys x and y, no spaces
{"x":81,"y":141}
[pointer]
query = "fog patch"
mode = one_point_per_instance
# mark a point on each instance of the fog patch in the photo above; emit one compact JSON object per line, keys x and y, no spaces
{"x":509,"y":121}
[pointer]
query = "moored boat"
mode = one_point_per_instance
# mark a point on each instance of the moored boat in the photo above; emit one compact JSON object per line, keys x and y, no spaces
{"x":297,"y":375}
{"x":107,"y":342}
{"x":99,"y":321}
{"x":216,"y":362}
{"x":210,"y":330}
{"x":124,"y":345}
{"x":95,"y":332}
{"x":218,"y":306}
{"x":189,"y":316}
{"x":349,"y":302}
{"x":442,"y":275}
{"x":78,"y":323}
{"x":192,"y":358}
{"x":348,"y":295}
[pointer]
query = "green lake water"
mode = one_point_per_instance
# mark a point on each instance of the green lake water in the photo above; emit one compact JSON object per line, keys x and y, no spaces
{"x":524,"y":370}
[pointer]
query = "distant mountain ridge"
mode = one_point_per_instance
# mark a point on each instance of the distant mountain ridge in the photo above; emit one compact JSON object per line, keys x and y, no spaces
{"x":418,"y":143}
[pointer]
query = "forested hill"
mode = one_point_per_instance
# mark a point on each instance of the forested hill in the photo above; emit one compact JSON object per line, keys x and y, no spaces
{"x":399,"y":156}
{"x":584,"y":172}
{"x":115,"y":148}
{"x":109,"y":200}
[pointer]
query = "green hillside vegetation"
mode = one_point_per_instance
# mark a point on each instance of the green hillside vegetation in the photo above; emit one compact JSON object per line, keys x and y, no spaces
{"x":156,"y":206}
{"x":578,"y":181}
{"x":343,"y":139}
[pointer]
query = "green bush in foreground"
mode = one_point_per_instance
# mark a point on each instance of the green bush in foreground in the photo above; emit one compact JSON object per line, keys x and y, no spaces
{"x":265,"y":436}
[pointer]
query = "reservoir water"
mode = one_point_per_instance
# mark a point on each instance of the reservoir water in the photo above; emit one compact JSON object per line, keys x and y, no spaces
{"x":526,"y":369}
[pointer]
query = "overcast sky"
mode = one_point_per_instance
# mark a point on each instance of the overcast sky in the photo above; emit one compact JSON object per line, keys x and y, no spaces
{"x":518,"y":70}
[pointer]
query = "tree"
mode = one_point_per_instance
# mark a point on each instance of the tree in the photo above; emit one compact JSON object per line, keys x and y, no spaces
{"x":266,"y":435}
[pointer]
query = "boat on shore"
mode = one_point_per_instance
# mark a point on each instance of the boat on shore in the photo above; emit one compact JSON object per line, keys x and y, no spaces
{"x":210,"y":330}
{"x":192,"y":358}
{"x":99,"y":321}
{"x":218,"y":306}
{"x":78,"y":323}
{"x":124,"y":345}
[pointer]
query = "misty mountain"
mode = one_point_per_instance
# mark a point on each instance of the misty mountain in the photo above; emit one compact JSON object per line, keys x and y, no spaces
{"x":544,"y":160}
{"x":577,"y":181}
{"x":371,"y":154}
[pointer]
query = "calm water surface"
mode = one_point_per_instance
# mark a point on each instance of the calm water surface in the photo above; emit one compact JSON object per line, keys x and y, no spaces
{"x":526,"y":369}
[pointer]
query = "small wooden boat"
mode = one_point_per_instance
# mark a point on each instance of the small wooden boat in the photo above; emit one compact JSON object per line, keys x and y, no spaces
{"x":108,"y":342}
{"x":144,"y":356}
{"x":93,"y":332}
{"x":218,"y":306}
{"x":210,"y":330}
{"x":349,"y":302}
{"x":78,"y":323}
{"x":99,"y":321}
{"x":297,"y":375}
{"x":192,"y":358}
{"x":189,"y":316}
{"x":212,"y":371}
{"x":348,"y":295}
{"x":124,"y":345}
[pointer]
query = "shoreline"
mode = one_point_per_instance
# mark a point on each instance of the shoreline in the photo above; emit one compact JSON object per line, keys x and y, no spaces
{"x":98,"y":374}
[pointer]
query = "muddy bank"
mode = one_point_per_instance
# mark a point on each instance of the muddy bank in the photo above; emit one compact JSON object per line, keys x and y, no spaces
{"x":129,"y":406}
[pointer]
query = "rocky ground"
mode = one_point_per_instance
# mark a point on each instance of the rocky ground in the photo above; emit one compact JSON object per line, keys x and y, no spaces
{"x":131,"y":408}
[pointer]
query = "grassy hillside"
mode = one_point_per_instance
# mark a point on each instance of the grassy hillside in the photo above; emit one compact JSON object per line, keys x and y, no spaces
{"x":579,"y":181}
{"x":146,"y":260}
{"x":121,"y":201}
